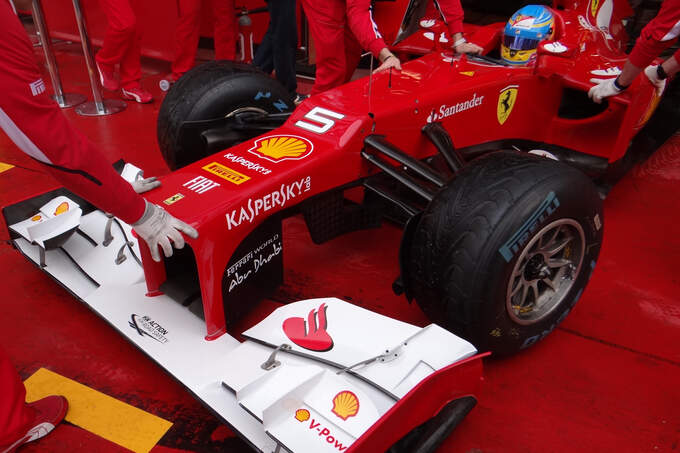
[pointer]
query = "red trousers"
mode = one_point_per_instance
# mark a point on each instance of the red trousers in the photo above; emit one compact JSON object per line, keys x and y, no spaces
{"x":37,"y":126}
{"x":337,"y":49}
{"x":15,"y":415}
{"x":659,"y":34}
{"x":121,"y":42}
{"x":188,"y":28}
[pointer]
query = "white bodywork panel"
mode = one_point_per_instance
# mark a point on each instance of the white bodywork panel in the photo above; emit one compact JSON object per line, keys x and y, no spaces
{"x":305,"y":403}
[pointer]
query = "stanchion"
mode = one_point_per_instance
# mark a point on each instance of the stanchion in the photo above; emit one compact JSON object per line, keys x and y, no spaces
{"x":63,"y":99}
{"x":100,"y":106}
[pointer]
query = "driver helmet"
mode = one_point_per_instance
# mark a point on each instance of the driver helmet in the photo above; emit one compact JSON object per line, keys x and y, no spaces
{"x":524,"y":31}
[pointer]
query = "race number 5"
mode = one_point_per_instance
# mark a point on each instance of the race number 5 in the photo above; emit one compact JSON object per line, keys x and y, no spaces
{"x":321,"y":116}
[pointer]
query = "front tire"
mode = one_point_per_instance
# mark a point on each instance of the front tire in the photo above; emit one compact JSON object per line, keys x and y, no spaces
{"x":502,"y":254}
{"x":213,"y":90}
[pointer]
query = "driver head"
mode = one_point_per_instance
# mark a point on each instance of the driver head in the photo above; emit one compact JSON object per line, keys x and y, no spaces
{"x":524,"y":31}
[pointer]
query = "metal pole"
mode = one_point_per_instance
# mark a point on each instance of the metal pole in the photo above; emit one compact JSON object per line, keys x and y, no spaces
{"x":100,"y":106}
{"x":64,"y":100}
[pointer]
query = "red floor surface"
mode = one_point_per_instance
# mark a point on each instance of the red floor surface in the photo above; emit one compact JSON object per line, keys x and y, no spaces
{"x":606,"y":380}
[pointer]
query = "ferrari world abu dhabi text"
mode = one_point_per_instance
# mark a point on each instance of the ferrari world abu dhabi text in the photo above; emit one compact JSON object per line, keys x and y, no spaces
{"x":254,"y":207}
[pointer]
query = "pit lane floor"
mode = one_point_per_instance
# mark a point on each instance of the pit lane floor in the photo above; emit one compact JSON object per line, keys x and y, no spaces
{"x":605,"y":380}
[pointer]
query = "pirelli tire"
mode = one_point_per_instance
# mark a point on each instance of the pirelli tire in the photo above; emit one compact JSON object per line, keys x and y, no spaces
{"x":501,"y":255}
{"x":213,"y":90}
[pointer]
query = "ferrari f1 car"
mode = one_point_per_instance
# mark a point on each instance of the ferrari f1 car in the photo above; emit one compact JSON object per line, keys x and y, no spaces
{"x":488,"y":168}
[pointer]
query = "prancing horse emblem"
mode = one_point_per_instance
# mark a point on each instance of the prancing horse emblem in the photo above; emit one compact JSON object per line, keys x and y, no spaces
{"x":506,"y":102}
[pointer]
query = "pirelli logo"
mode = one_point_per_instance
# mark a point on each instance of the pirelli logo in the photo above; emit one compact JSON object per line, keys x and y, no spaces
{"x":227,"y":173}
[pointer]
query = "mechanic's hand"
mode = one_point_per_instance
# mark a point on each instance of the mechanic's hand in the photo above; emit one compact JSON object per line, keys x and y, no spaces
{"x":146,"y":184}
{"x":468,"y":47}
{"x":157,"y":227}
{"x":603,"y":89}
{"x":390,"y":62}
{"x":653,"y":76}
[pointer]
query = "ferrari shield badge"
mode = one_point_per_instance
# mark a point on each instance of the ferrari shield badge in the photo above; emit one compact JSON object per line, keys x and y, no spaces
{"x":506,"y":102}
{"x":594,"y":4}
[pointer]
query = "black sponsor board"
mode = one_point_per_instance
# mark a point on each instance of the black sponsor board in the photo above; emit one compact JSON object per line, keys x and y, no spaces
{"x":254,"y":272}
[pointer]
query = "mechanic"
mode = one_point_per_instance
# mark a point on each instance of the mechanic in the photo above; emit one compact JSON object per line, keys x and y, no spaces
{"x":657,"y":36}
{"x":21,"y":422}
{"x":340,"y":28}
{"x":122,"y":46}
{"x":276,"y":52}
{"x":37,"y":126}
{"x":523,"y":33}
{"x":188,"y":29}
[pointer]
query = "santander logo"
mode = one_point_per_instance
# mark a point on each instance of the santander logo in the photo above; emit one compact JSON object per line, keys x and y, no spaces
{"x":311,"y":333}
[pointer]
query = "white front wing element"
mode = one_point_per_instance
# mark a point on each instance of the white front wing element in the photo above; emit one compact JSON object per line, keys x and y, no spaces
{"x":313,"y":401}
{"x":392,"y":354}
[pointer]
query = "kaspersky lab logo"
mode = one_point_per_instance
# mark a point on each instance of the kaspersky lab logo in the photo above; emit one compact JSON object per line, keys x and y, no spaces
{"x":145,"y":326}
{"x":310,"y":334}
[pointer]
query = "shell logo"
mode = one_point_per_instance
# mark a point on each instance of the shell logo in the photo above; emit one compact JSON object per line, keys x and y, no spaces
{"x":277,"y":148}
{"x":62,"y":208}
{"x":36,"y":218}
{"x":345,"y":405}
{"x":302,"y":415}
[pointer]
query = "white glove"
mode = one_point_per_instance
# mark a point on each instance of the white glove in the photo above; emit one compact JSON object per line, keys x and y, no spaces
{"x":603,"y":89}
{"x":157,"y":227}
{"x":145,"y":184}
{"x":653,"y":76}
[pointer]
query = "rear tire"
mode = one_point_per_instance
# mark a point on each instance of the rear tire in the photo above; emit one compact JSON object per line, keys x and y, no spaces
{"x":508,"y":223}
{"x":213,"y":90}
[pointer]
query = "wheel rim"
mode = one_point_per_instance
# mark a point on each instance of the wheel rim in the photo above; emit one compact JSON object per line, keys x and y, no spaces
{"x":545,"y":271}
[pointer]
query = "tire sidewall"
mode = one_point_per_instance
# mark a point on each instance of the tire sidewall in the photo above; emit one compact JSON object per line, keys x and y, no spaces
{"x":209,"y":91}
{"x":462,"y":283}
{"x":497,"y":331}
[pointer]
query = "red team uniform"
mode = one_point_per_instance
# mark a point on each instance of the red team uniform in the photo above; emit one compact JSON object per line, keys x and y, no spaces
{"x":341,"y":28}
{"x":35,"y":123}
{"x":658,"y":35}
{"x":188,"y":28}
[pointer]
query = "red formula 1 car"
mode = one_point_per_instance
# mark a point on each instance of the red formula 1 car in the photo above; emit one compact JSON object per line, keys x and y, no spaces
{"x":487,"y":167}
{"x":497,"y":246}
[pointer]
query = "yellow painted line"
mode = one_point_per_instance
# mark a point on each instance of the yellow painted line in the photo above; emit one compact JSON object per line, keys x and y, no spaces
{"x":5,"y":167}
{"x":98,"y":413}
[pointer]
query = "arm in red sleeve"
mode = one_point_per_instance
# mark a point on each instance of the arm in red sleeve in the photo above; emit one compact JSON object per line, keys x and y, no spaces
{"x":658,"y":35}
{"x":37,"y":126}
{"x":452,"y":12}
{"x":360,"y":20}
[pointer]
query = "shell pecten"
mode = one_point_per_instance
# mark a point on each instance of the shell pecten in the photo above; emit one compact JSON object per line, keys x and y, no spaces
{"x":302,"y":415}
{"x":345,"y":404}
{"x":62,"y":208}
{"x":280,"y":147}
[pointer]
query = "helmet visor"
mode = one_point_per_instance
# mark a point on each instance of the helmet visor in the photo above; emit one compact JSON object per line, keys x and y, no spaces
{"x":519,"y":43}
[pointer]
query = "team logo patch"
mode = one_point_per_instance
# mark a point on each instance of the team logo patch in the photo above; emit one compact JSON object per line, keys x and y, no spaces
{"x":173,"y":199}
{"x":277,"y":148}
{"x":506,"y":102}
{"x":227,"y":173}
{"x":345,"y":405}
{"x":310,"y":334}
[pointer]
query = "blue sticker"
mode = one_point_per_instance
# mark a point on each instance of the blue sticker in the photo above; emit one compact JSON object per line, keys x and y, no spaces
{"x":521,"y":237}
{"x":280,"y":105}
